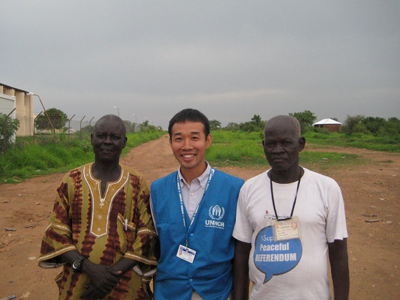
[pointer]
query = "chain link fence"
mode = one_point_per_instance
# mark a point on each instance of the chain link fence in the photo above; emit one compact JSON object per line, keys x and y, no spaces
{"x":23,"y":129}
{"x":51,"y":128}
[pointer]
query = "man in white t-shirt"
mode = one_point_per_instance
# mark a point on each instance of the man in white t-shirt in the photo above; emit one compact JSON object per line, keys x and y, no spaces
{"x":289,"y":222}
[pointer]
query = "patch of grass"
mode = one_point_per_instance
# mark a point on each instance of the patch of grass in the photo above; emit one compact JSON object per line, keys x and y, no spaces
{"x":389,"y":161}
{"x":222,"y":136}
{"x":319,"y":146}
{"x":241,"y":152}
{"x":325,"y":160}
{"x":363,"y":141}
{"x":26,"y":160}
{"x":244,"y":149}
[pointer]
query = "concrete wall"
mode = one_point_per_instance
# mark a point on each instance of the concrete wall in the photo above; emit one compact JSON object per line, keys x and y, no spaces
{"x":7,"y":104}
{"x":23,"y":103}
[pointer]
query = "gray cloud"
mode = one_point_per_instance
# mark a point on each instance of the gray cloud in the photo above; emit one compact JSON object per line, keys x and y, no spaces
{"x":230,"y":59}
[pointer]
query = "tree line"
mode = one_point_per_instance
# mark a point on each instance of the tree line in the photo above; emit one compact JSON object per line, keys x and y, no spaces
{"x":358,"y":124}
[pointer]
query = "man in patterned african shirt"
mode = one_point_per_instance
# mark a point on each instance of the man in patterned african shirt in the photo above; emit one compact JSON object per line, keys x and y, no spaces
{"x":101,"y":230}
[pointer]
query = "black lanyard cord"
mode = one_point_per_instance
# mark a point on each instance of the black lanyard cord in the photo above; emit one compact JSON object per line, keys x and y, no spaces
{"x":294,"y":202}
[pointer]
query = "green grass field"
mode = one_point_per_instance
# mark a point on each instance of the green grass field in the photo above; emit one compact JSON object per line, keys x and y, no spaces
{"x":245,"y":149}
{"x":25,"y":160}
{"x":364,"y":141}
{"x":228,"y":148}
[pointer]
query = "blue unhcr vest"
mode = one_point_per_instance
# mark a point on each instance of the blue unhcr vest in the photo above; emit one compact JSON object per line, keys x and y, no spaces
{"x":210,"y":275}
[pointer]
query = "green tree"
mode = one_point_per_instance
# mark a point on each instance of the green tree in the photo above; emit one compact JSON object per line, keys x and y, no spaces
{"x":353,"y":124}
{"x":57,"y":118}
{"x":88,"y":129}
{"x":215,"y":124}
{"x":7,"y":130}
{"x":134,"y":127}
{"x":255,"y":124}
{"x":256,"y":119}
{"x":143,"y":126}
{"x":150,"y":128}
{"x":248,"y":126}
{"x":306,"y":119}
{"x":393,"y":126}
{"x":374,"y":125}
{"x":129,"y":126}
{"x":232,"y":126}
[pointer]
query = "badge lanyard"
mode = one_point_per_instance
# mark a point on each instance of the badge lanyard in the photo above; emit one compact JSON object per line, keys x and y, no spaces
{"x":197,"y":208}
{"x":294,"y":202}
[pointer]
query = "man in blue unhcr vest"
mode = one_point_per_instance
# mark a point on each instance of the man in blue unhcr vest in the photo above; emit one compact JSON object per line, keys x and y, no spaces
{"x":194,"y":211}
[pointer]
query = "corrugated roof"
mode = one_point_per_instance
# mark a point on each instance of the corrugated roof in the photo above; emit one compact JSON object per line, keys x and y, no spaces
{"x":327,"y":122}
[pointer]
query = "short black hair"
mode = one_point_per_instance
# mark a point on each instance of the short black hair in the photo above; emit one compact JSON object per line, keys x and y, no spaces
{"x":192,"y":115}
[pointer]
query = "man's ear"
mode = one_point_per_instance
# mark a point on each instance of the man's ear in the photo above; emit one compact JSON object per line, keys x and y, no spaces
{"x":125,"y":140}
{"x":302,"y":143}
{"x":91,"y":139}
{"x":208,"y":140}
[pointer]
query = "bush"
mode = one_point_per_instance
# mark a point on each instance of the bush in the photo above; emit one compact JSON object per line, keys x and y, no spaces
{"x":322,"y":130}
{"x":8,"y":128}
{"x":305,"y":118}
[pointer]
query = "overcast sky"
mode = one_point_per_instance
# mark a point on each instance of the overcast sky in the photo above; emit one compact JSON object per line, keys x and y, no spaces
{"x":229,"y":59}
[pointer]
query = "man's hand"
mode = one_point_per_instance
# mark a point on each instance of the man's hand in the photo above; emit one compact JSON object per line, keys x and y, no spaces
{"x":92,"y":293}
{"x":103,"y":279}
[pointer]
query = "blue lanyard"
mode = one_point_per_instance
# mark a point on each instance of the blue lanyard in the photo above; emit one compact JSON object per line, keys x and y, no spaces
{"x":197,"y":208}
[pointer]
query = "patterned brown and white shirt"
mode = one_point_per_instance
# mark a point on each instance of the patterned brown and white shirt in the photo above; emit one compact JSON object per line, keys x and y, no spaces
{"x":103,"y":228}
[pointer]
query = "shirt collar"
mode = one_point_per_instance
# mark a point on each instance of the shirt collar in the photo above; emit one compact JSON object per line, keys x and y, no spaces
{"x":202,"y":178}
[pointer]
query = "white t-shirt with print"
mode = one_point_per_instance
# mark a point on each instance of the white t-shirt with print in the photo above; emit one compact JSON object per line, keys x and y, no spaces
{"x":293,"y":269}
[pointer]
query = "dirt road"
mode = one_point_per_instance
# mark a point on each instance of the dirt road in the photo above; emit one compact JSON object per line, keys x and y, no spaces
{"x":372,"y":198}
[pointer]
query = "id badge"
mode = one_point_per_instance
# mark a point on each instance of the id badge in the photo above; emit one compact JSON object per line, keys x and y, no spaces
{"x":186,"y":254}
{"x":286,"y":230}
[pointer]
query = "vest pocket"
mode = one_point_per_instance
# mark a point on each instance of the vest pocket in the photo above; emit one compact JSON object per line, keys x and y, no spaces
{"x":164,"y":234}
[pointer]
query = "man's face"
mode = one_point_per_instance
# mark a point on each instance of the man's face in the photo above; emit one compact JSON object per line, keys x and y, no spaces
{"x":108,"y":140}
{"x":282,"y":147}
{"x":189,"y":143}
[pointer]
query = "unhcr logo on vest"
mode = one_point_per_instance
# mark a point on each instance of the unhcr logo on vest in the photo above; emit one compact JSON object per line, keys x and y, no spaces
{"x":216,"y":213}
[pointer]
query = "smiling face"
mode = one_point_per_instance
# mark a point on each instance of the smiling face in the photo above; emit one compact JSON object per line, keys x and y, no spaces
{"x":108,"y":139}
{"x":282,"y":145}
{"x":189,"y":143}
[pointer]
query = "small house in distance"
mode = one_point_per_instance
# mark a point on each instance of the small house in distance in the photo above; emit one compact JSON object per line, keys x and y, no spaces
{"x":329,"y":124}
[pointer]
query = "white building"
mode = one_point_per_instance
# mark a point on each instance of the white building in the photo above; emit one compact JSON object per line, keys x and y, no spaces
{"x":22,"y":101}
{"x":329,"y":124}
